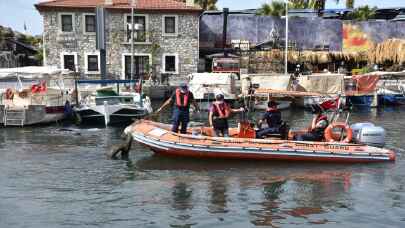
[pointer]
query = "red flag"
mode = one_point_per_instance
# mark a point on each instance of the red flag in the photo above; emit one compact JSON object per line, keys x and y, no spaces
{"x":330,"y":104}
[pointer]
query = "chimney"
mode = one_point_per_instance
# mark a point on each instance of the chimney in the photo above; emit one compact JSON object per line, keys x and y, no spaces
{"x":190,"y":3}
{"x":108,"y":2}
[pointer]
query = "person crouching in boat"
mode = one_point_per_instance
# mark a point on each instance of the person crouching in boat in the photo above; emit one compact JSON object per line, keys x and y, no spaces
{"x":219,"y":113}
{"x":181,"y":99}
{"x":273,"y":118}
{"x":319,"y":124}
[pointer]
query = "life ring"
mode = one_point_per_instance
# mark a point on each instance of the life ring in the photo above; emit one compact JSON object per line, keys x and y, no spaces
{"x":23,"y":94}
{"x":330,"y":136}
{"x":9,"y":94}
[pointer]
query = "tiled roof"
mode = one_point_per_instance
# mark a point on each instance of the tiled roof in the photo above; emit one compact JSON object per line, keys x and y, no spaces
{"x":163,"y":5}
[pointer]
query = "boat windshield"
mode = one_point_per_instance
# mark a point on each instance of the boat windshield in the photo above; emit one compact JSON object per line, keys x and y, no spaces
{"x":115,"y":100}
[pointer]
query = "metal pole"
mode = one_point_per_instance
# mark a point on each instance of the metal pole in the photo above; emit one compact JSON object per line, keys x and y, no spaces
{"x":286,"y":39}
{"x":132,"y":41}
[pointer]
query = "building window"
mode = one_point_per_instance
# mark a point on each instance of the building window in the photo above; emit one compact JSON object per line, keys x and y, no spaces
{"x":140,"y":30}
{"x":170,"y":25}
{"x":170,"y":63}
{"x":66,"y":22}
{"x":92,"y":64}
{"x":141,"y":66}
{"x":69,"y":62}
{"x":89,"y":23}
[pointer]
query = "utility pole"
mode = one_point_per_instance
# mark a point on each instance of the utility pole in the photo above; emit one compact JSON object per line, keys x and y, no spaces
{"x":286,"y":39}
{"x":132,"y":40}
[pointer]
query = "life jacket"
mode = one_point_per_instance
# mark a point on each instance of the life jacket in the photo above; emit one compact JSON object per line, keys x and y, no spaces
{"x":179,"y":102}
{"x":221,"y":110}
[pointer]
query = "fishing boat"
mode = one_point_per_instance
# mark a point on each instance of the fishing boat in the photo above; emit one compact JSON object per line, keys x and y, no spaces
{"x":100,"y":103}
{"x":33,"y":95}
{"x":199,"y":143}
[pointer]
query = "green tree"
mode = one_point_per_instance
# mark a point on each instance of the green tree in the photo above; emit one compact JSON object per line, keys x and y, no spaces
{"x":275,"y":8}
{"x":363,"y":13}
{"x":350,"y":4}
{"x":206,"y":4}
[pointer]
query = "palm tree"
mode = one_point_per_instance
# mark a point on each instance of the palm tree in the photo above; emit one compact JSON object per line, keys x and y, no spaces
{"x":350,"y":4}
{"x":207,"y":4}
{"x":363,"y":13}
{"x":276,"y":8}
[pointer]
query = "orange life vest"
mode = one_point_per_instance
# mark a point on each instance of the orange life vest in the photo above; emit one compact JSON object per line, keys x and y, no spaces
{"x":179,"y":102}
{"x":224,"y":111}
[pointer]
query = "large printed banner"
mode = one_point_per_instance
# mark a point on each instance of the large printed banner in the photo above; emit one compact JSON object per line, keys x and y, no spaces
{"x":362,"y":36}
{"x":307,"y":33}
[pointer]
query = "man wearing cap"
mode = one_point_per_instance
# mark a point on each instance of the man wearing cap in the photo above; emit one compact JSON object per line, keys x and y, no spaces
{"x":181,"y":99}
{"x":219,"y":113}
{"x":272,"y":117}
{"x":319,"y":124}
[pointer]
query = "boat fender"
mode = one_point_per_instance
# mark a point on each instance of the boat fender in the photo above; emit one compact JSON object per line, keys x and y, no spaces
{"x":23,"y":94}
{"x":331,"y":137}
{"x":9,"y":94}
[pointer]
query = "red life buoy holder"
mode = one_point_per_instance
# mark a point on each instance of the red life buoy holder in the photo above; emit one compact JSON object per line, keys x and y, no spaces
{"x":330,"y":136}
{"x":9,"y":94}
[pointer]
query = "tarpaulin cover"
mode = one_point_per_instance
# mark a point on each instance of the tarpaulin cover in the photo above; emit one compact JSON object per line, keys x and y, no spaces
{"x":325,"y":84}
{"x":366,"y":83}
{"x":271,"y":82}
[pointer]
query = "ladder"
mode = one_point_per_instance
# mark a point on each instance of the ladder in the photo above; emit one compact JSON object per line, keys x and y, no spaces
{"x":14,"y":117}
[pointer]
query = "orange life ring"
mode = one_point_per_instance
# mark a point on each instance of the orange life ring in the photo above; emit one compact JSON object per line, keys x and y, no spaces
{"x":330,"y":136}
{"x":9,"y":94}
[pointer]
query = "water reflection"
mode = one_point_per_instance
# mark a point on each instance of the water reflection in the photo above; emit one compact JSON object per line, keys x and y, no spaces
{"x":218,"y":195}
{"x":277,"y":193}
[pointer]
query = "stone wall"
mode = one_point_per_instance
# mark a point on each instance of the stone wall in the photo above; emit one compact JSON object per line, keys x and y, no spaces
{"x":185,"y":45}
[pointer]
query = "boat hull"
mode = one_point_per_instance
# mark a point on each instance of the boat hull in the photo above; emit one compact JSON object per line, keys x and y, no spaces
{"x":90,"y":116}
{"x":164,"y":142}
{"x":39,"y":114}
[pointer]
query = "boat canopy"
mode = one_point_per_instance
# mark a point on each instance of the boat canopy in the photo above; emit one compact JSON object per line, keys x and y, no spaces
{"x":211,"y":78}
{"x":105,"y":81}
{"x":32,"y":72}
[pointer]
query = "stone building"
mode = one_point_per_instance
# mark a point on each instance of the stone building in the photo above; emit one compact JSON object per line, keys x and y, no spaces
{"x":165,"y":43}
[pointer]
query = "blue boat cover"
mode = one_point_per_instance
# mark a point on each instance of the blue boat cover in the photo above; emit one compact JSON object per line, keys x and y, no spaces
{"x":105,"y":81}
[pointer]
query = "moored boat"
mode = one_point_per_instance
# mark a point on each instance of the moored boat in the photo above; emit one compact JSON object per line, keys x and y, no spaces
{"x":199,"y":143}
{"x":110,"y":104}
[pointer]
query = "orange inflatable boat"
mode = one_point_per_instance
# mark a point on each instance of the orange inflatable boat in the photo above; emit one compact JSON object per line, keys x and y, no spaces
{"x":161,"y":140}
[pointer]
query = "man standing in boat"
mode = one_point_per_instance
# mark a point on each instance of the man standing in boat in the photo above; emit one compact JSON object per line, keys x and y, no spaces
{"x":181,"y":99}
{"x":219,"y":113}
{"x":272,"y":117}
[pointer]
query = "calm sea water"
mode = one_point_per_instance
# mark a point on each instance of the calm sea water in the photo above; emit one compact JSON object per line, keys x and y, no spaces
{"x":55,"y":178}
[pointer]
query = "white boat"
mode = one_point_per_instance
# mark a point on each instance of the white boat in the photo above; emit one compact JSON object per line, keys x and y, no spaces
{"x":33,"y":95}
{"x":267,"y":81}
{"x":204,"y":86}
{"x":99,"y":103}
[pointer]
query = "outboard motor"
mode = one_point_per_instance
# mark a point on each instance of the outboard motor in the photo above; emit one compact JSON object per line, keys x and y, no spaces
{"x":369,"y":134}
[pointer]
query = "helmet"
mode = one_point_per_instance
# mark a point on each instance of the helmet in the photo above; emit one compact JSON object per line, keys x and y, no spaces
{"x":322,"y":124}
{"x":272,"y":104}
{"x":184,"y":86}
{"x":219,"y":97}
